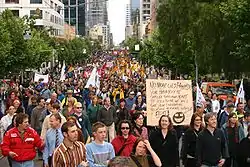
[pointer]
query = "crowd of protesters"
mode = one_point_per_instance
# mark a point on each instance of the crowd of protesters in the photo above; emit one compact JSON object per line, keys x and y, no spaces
{"x":66,"y":123}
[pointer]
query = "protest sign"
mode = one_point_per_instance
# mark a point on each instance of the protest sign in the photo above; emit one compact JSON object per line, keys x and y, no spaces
{"x":169,"y":97}
{"x":40,"y":76}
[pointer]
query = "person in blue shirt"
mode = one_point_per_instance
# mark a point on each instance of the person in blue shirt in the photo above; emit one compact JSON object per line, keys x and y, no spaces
{"x":130,"y":101}
{"x":60,"y":96}
{"x":54,"y":138}
{"x":99,"y":152}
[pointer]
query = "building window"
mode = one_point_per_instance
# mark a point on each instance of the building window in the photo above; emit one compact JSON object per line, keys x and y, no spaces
{"x":51,"y":4}
{"x":15,"y":12}
{"x":38,"y":14}
{"x":12,"y":1}
{"x":36,"y":1}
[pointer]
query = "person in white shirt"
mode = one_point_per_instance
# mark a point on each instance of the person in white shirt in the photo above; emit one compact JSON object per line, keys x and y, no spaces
{"x":46,"y":123}
{"x":7,"y":119}
{"x":215,"y":103}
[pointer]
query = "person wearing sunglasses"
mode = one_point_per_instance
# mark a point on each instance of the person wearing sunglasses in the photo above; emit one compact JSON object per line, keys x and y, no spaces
{"x":124,"y":141}
{"x":83,"y":121}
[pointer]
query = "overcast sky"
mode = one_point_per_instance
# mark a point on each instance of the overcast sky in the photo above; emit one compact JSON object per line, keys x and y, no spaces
{"x":116,"y":15}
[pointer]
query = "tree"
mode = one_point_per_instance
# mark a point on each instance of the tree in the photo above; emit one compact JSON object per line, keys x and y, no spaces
{"x":130,"y":43}
{"x":198,"y":31}
{"x":75,"y":50}
{"x":236,"y":13}
{"x":18,"y":53}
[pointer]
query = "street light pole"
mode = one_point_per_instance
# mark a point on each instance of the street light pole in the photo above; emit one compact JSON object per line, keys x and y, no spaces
{"x":69,"y":11}
{"x":196,"y":69}
{"x":77,"y":17}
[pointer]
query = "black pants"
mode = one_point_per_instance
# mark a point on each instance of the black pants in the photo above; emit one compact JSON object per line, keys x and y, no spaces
{"x":190,"y":162}
{"x":50,"y":161}
{"x":231,"y":162}
{"x":10,"y":163}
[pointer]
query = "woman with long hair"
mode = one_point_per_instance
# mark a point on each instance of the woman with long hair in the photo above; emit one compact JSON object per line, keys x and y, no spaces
{"x":139,"y":105}
{"x":93,"y":109}
{"x":233,"y":133}
{"x":243,"y":153}
{"x":139,"y":130}
{"x":189,"y":141}
{"x":139,"y":157}
{"x":11,"y":98}
{"x":165,"y":143}
{"x":124,"y":141}
{"x":68,"y":109}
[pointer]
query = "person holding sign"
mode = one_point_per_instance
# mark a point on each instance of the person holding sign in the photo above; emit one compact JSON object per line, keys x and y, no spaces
{"x":165,"y":143}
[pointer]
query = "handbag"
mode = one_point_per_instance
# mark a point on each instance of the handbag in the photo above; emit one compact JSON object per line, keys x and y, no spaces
{"x":136,"y":161}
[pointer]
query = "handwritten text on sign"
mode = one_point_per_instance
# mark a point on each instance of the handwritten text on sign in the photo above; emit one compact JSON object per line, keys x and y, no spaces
{"x":169,"y":97}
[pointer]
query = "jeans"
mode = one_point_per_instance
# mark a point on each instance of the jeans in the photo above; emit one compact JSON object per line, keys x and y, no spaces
{"x":23,"y":164}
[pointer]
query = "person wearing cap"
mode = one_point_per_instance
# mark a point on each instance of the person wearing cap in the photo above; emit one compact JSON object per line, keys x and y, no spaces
{"x":69,"y":94}
{"x":223,"y":117}
{"x":122,"y":113}
{"x":200,"y":109}
{"x":240,"y":110}
{"x":130,"y":101}
{"x":245,"y":122}
{"x":45,"y":93}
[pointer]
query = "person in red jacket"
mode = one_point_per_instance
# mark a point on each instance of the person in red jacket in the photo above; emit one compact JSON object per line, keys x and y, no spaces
{"x":19,"y":143}
{"x":124,"y":141}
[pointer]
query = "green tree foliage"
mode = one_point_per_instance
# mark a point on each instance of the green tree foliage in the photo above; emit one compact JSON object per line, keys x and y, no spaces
{"x":75,"y":50}
{"x":130,"y":43}
{"x":214,"y":33}
{"x":17,"y":53}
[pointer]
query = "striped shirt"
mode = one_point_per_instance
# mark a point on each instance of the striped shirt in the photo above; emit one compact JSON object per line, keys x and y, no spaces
{"x":69,"y":157}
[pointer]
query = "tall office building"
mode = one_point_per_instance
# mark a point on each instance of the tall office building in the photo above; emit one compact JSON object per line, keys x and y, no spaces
{"x":144,"y":16}
{"x":128,"y":12}
{"x":49,"y":13}
{"x":74,"y":12}
{"x":128,"y":24}
{"x":96,"y":13}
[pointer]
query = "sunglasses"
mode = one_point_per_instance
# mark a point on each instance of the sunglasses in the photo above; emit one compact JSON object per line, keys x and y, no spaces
{"x":197,"y":119}
{"x":79,"y":107}
{"x":123,"y":128}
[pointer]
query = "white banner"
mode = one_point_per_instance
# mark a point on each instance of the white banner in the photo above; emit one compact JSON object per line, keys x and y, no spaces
{"x":62,"y":77}
{"x":199,"y":96}
{"x":40,"y":76}
{"x":240,"y":94}
{"x":92,"y":78}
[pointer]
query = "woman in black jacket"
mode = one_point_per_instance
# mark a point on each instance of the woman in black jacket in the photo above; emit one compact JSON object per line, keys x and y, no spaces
{"x":189,"y":141}
{"x":243,"y":153}
{"x":165,"y":143}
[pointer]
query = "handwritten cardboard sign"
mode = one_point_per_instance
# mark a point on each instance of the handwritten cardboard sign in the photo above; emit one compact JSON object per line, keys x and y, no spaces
{"x":169,"y":97}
